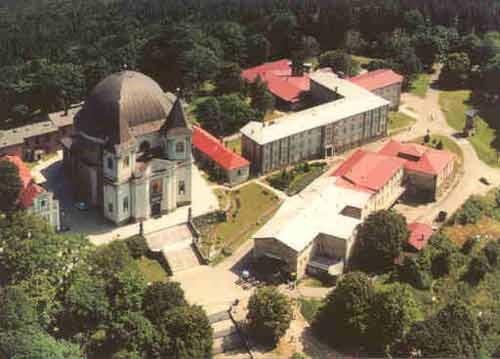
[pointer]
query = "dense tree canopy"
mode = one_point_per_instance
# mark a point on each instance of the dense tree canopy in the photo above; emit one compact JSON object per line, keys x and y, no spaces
{"x":380,"y":240}
{"x":10,"y":186}
{"x":344,"y":319}
{"x":52,"y":53}
{"x":63,"y":298}
{"x":452,"y":332}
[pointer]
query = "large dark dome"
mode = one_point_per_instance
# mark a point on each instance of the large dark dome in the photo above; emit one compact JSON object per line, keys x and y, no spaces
{"x":122,"y":100}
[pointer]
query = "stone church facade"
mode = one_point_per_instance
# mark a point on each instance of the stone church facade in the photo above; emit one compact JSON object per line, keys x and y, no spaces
{"x":130,"y":153}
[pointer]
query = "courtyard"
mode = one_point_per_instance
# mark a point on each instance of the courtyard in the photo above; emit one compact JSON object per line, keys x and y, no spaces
{"x":91,"y":223}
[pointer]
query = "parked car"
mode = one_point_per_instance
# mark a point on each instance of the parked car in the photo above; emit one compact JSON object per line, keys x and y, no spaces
{"x":82,"y":206}
{"x":484,"y":180}
{"x":441,"y":217}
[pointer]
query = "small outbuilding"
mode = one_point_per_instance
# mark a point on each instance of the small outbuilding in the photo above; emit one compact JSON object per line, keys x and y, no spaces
{"x":420,"y":233}
{"x":211,"y":153}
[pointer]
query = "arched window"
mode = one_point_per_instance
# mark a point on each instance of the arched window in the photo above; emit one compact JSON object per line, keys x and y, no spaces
{"x":110,"y":163}
{"x":179,"y":147}
{"x":144,"y":147}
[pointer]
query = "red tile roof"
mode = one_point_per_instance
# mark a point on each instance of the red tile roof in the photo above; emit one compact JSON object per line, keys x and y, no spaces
{"x":30,"y":190}
{"x":215,"y":150}
{"x":418,"y":158}
{"x":279,"y":79}
{"x":367,"y":171}
{"x":377,"y":79}
{"x":419,"y":235}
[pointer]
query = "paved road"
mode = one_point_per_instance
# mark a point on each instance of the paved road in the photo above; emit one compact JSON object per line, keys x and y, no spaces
{"x":430,"y":117}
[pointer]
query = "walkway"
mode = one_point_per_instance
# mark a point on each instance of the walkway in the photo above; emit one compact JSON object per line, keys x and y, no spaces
{"x":429,"y":117}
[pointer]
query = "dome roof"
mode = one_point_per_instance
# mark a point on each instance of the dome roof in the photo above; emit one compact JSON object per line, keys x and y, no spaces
{"x":122,"y":100}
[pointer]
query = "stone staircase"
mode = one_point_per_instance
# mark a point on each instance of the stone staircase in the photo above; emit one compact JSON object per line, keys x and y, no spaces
{"x":225,"y":334}
{"x":181,"y":258}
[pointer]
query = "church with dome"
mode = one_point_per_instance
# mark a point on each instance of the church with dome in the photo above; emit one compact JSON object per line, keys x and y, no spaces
{"x":130,"y":152}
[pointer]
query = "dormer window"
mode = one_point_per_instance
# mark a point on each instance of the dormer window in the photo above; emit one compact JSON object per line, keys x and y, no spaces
{"x":179,"y":147}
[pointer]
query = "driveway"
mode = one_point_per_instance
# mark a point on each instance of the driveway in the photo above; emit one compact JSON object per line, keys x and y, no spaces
{"x":430,"y":117}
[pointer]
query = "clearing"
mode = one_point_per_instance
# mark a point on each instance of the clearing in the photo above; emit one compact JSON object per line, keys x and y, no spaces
{"x":250,"y":207}
{"x":485,"y":141}
{"x":398,"y":121}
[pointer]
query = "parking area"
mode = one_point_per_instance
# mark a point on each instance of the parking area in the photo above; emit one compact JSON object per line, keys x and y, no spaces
{"x":211,"y":287}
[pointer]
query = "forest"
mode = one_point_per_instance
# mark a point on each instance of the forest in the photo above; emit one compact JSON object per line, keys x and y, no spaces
{"x":53,"y":52}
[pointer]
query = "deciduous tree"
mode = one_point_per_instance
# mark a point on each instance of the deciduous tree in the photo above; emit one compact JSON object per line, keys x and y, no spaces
{"x":269,"y":315}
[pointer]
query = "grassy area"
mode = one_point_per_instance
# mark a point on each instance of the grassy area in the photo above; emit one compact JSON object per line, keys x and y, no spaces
{"x":295,"y":180}
{"x":485,"y":226}
{"x":420,"y":85}
{"x":152,"y":270}
{"x":250,"y":207}
{"x":234,"y":145}
{"x":485,"y":142}
{"x":399,"y":121}
{"x":363,"y":60}
{"x":309,"y":307}
{"x":448,"y":144}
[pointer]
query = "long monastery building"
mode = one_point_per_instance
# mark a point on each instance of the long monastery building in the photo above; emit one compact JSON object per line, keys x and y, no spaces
{"x":347,"y":115}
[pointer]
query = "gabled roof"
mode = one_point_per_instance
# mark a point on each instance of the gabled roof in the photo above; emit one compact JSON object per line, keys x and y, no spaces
{"x":418,"y":158}
{"x":215,"y":150}
{"x":367,"y":171}
{"x":30,"y":190}
{"x":377,"y":79}
{"x":419,"y":235}
{"x":279,"y":79}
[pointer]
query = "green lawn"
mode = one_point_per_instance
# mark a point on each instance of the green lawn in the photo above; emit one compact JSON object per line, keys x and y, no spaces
{"x":251,"y":206}
{"x":234,"y":145}
{"x":295,"y":180}
{"x":363,"y":60}
{"x":420,"y":85}
{"x":399,"y":121}
{"x":485,"y":142}
{"x":309,"y":308}
{"x":152,"y":270}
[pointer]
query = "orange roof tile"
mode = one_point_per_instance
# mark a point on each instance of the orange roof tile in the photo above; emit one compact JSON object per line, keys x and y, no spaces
{"x":214,"y":149}
{"x":377,"y":79}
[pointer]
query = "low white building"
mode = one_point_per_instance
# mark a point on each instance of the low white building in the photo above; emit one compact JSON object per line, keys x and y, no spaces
{"x":314,"y":231}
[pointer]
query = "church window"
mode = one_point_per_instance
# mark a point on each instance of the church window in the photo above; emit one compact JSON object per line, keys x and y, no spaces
{"x":110,"y":163}
{"x":110,"y":207}
{"x":179,"y":147}
{"x":126,"y":162}
{"x":182,"y":187}
{"x":125,"y":204}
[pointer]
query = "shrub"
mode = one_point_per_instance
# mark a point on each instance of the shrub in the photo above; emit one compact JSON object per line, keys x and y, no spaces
{"x":492,"y":252}
{"x":469,"y":245}
{"x":478,"y":267}
{"x":412,"y":273}
{"x":137,"y":246}
{"x":472,"y":210}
